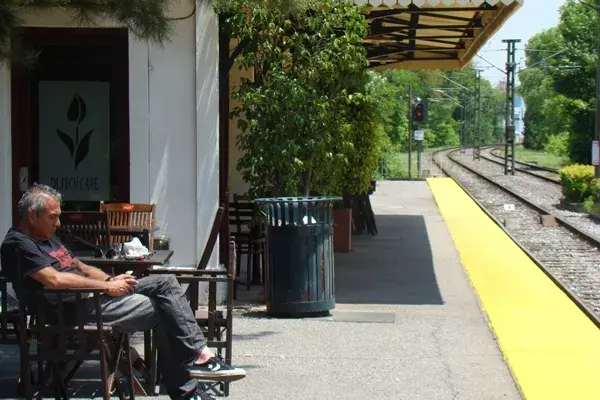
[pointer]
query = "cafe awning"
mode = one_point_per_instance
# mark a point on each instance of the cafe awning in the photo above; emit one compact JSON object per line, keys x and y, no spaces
{"x":431,"y":34}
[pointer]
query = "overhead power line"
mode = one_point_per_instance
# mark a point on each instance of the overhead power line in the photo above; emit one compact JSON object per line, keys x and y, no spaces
{"x":543,"y":60}
{"x":456,"y":83}
{"x":493,"y":65}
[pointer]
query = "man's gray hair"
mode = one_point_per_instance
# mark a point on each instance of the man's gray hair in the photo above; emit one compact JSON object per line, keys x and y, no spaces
{"x":35,"y":199}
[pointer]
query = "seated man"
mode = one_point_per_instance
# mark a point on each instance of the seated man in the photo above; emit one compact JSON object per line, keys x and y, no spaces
{"x":129,"y":305}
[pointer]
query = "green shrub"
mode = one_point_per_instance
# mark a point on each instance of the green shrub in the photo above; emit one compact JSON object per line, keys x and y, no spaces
{"x":558,"y":145}
{"x":393,"y":165}
{"x":595,"y":191}
{"x":592,"y":203}
{"x":577,"y":181}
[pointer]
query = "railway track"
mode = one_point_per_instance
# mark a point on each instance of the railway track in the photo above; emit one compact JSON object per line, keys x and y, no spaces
{"x":547,"y":174}
{"x":545,"y":194}
{"x":568,"y":255}
{"x":524,"y":164}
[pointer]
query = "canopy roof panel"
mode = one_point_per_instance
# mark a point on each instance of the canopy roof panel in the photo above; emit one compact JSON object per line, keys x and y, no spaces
{"x":431,"y":34}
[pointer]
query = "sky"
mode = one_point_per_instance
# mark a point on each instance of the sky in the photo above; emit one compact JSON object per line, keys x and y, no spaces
{"x":533,"y":17}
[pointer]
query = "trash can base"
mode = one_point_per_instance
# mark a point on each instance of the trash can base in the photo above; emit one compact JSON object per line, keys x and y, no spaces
{"x":317,"y":314}
{"x":301,"y":309}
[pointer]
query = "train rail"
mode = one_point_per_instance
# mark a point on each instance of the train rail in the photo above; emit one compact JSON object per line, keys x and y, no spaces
{"x":550,"y":175}
{"x":524,"y":164}
{"x":567,"y":254}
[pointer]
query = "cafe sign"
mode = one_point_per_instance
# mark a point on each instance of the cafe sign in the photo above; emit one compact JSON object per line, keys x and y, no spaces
{"x":74,"y":138}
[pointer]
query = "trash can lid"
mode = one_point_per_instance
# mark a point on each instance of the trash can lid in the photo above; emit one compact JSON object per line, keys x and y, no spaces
{"x":312,"y":199}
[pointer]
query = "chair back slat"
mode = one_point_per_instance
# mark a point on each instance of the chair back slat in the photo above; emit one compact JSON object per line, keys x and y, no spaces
{"x":90,"y":226}
{"x":240,"y":217}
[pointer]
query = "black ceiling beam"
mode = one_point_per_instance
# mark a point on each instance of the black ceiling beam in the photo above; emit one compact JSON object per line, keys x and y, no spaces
{"x":447,"y":17}
{"x":437,"y":50}
{"x":440,"y":41}
{"x":401,"y":32}
{"x":400,"y":36}
{"x":412,"y":34}
{"x":475,"y":21}
{"x":411,"y":27}
{"x":400,"y":39}
{"x":374,"y":14}
{"x":415,"y":59}
{"x":378,"y":51}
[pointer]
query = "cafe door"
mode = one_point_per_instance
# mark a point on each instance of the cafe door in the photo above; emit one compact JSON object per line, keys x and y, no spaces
{"x":70,"y":116}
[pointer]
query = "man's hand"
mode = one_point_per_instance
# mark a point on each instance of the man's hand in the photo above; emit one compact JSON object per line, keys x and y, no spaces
{"x":127,"y":278}
{"x":118,"y":288}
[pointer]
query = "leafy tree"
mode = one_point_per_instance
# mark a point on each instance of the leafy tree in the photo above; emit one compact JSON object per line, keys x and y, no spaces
{"x":301,"y":115}
{"x":560,"y":91}
{"x":545,"y":113}
{"x":145,"y":18}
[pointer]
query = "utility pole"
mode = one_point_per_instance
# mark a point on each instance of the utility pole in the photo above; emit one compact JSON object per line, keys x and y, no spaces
{"x":419,"y":153}
{"x":509,"y":146}
{"x":477,"y":145}
{"x":468,"y":120}
{"x":410,"y":130}
{"x":463,"y":130}
{"x":597,"y":127}
{"x":596,"y":7}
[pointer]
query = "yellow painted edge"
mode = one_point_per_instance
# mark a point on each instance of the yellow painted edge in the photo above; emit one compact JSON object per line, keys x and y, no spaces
{"x":551,"y":347}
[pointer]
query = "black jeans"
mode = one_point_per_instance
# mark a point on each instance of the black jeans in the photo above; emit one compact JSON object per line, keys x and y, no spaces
{"x":159,"y":302}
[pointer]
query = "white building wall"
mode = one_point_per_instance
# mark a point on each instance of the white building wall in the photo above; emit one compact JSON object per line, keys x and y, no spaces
{"x":174,"y":130}
{"x":163,"y":139}
{"x":207,"y":122}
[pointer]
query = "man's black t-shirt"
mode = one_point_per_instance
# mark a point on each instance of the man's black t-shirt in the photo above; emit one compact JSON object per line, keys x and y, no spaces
{"x":35,"y":255}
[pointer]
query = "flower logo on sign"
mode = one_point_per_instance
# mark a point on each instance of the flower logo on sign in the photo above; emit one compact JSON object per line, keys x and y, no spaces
{"x":78,"y":149}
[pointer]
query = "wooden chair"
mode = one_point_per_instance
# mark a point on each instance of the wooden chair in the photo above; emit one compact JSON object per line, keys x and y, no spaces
{"x":216,"y":325}
{"x":59,"y":339}
{"x":9,"y":322}
{"x":9,"y":314}
{"x":250,"y":239}
{"x":86,"y":226}
{"x":131,"y":215}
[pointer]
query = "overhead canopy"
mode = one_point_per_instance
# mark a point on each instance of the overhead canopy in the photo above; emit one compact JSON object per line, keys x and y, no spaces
{"x":431,"y":34}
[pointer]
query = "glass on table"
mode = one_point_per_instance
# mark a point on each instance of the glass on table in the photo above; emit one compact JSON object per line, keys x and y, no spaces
{"x":118,"y":248}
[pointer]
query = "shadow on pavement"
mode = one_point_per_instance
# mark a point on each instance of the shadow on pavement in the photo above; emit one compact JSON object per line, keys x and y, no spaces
{"x":253,"y":336}
{"x":394,"y":267}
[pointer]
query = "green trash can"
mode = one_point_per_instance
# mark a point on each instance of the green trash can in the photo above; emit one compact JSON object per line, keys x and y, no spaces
{"x":299,"y":276}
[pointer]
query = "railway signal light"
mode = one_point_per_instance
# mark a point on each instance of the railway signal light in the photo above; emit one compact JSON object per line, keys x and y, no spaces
{"x":420,"y":111}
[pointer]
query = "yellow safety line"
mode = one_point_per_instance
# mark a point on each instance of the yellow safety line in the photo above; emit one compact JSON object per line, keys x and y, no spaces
{"x":551,"y":347}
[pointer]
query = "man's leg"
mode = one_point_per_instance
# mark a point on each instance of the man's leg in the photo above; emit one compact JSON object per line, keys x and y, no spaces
{"x":175,"y":315}
{"x":182,"y":330}
{"x":135,"y":313}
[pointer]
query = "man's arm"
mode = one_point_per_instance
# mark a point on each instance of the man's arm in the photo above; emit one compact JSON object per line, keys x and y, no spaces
{"x":91,"y":272}
{"x":53,"y":279}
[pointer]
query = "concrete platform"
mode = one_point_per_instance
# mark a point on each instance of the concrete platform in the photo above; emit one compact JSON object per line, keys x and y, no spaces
{"x":428,"y":338}
{"x":407,"y":325}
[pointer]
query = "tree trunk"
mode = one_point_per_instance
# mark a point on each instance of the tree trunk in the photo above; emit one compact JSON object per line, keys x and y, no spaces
{"x":306,"y":182}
